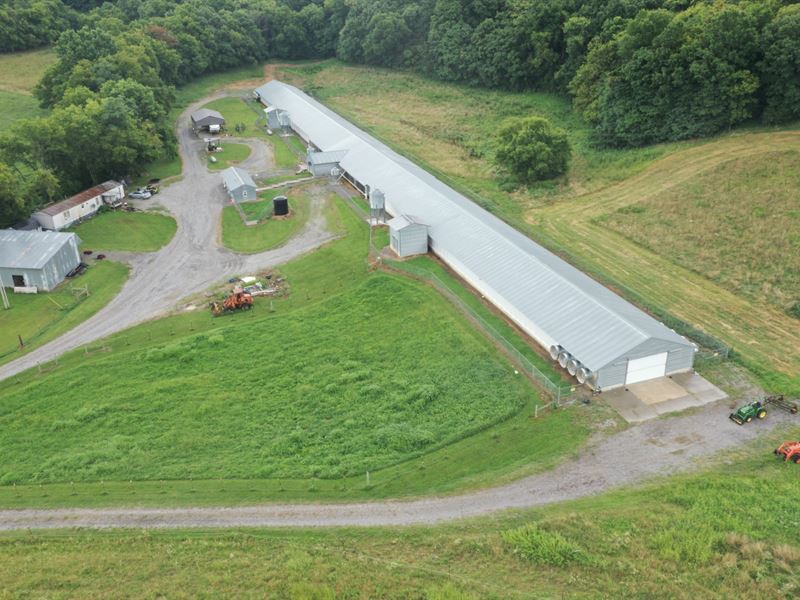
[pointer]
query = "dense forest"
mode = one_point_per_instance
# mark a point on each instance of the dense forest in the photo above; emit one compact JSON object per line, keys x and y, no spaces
{"x":639,"y":71}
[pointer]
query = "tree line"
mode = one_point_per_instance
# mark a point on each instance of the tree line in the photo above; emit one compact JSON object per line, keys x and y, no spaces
{"x":640,"y":71}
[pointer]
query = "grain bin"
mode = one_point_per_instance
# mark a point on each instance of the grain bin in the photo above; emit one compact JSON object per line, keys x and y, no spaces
{"x":280,"y":206}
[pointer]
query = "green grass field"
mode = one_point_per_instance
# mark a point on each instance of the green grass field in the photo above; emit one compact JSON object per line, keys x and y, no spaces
{"x":302,"y":423}
{"x":270,"y":232}
{"x":133,"y":232}
{"x":42,"y":317}
{"x":232,"y":154}
{"x":727,"y":533}
{"x":19,"y":72}
{"x":737,"y":224}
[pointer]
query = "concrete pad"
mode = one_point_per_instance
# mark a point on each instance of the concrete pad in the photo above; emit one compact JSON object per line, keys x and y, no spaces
{"x":647,"y":400}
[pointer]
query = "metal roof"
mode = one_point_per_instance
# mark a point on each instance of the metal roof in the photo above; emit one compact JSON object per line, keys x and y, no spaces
{"x":403,"y":221}
{"x":234,"y":178}
{"x":205,"y":113}
{"x":84,"y":196}
{"x":549,"y":298}
{"x":324,"y":158}
{"x":31,"y":249}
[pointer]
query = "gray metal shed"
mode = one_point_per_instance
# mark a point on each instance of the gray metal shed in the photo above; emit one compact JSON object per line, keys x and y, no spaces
{"x":606,"y":341}
{"x":324,"y":163}
{"x":239,"y":185}
{"x":408,"y":236}
{"x":39,"y":259}
{"x":205,"y":119}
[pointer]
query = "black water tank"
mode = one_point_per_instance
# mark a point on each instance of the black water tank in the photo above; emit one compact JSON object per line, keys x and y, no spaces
{"x":280,"y":206}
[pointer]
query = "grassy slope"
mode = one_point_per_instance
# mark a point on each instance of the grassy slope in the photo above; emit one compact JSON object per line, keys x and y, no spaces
{"x":737,"y":224}
{"x":134,"y":232}
{"x":19,"y":72}
{"x":447,"y":130}
{"x":231,"y":154}
{"x":727,"y":533}
{"x":269,"y":233}
{"x":38,"y":319}
{"x":127,"y":432}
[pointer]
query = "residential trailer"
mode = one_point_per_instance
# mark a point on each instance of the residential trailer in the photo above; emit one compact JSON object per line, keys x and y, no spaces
{"x":37,"y":259}
{"x":595,"y":334}
{"x":67,"y":212}
{"x":239,"y":185}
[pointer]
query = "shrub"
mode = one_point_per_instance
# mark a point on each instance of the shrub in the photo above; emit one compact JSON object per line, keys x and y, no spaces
{"x":540,"y":546}
{"x":532,"y":149}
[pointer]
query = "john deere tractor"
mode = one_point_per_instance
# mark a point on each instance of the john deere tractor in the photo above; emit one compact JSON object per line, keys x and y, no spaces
{"x":748,"y":412}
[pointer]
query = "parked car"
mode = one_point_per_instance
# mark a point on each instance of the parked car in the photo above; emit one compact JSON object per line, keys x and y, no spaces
{"x":153,"y":189}
{"x":140,"y":194}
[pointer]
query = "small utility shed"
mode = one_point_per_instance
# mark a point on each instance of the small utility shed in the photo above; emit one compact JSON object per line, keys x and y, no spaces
{"x":408,"y":236}
{"x":206,"y":119}
{"x":324,"y":163}
{"x":39,"y":259}
{"x":239,"y":185}
{"x":65,"y":213}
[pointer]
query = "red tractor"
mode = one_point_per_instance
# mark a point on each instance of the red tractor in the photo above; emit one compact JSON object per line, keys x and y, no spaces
{"x":789,"y":451}
{"x":238,"y":300}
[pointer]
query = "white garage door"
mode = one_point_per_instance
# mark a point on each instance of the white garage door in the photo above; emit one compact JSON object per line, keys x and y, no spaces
{"x":649,"y":367}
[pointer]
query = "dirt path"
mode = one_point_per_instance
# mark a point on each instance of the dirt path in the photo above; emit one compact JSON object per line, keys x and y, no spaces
{"x":659,"y":447}
{"x":192,"y":262}
{"x":759,"y":332}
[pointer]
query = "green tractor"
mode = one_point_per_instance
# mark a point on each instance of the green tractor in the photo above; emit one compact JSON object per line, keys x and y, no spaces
{"x":748,"y":412}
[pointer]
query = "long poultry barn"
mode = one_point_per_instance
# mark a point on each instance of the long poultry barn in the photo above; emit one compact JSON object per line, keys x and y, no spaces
{"x":599,"y":337}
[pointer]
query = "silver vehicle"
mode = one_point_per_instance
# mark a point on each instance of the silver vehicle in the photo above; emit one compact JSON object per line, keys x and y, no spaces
{"x":140,"y":194}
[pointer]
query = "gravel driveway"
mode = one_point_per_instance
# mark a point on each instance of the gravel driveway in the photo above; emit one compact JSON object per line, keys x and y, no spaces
{"x":660,"y":447}
{"x":192,"y":262}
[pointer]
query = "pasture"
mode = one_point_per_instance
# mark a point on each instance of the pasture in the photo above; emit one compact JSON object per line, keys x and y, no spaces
{"x":19,"y":72}
{"x":127,"y":231}
{"x":737,"y":223}
{"x":40,"y":318}
{"x":270,"y":232}
{"x":724,"y":533}
{"x":413,"y":386}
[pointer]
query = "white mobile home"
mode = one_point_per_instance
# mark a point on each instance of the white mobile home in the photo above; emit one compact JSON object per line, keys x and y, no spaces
{"x":65,"y":213}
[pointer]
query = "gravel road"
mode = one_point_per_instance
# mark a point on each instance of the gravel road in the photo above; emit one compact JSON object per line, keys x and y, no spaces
{"x":660,"y":447}
{"x":192,"y":262}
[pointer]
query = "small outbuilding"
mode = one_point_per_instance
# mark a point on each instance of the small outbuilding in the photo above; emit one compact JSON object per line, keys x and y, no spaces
{"x":65,"y":213}
{"x":239,"y":185}
{"x":37,"y":259}
{"x":209,"y":120}
{"x":276,"y":118}
{"x":325,"y":163}
{"x":408,"y":236}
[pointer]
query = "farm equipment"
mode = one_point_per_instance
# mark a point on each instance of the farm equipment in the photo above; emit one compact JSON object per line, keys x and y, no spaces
{"x":758,"y":409}
{"x":238,"y":300}
{"x":789,"y":451}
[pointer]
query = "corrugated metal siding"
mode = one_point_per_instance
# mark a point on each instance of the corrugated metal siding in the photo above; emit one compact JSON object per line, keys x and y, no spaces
{"x":412,"y":240}
{"x":612,"y":375}
{"x":550,"y":299}
{"x":680,"y":359}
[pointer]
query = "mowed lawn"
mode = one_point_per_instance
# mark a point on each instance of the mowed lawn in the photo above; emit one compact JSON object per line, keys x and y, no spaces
{"x":323,"y":392}
{"x":231,"y":154}
{"x":270,"y":232}
{"x":738,"y":224}
{"x":19,"y":72}
{"x":726,"y":533}
{"x":42,"y":317}
{"x":127,"y":231}
{"x":287,"y":150}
